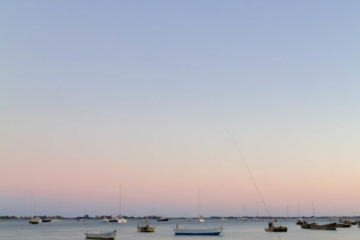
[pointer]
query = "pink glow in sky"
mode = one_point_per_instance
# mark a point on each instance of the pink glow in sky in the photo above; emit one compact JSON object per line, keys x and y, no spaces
{"x":166,"y":97}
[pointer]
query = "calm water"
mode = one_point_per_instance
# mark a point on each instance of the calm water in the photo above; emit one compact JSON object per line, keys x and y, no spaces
{"x":233,"y":230}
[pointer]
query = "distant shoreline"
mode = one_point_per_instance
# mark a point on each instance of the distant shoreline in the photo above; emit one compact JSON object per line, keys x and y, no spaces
{"x":156,"y":217}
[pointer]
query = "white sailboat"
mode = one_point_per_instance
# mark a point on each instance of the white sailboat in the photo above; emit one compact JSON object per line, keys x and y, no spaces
{"x":121,"y":219}
{"x":34,"y":220}
{"x":201,"y":218}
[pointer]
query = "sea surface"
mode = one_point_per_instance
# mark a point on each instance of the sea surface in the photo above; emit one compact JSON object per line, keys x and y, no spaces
{"x":233,"y":230}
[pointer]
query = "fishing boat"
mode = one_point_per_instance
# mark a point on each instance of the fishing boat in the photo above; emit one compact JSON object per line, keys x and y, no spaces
{"x":162,"y":219}
{"x":272,"y":228}
{"x":343,"y":225}
{"x":198,"y":231}
{"x":330,"y":226}
{"x":107,"y":235}
{"x":35,"y":220}
{"x":146,"y":228}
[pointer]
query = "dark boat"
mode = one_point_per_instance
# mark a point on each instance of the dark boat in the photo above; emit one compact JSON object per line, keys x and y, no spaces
{"x":330,"y":226}
{"x":299,"y":221}
{"x":46,"y":220}
{"x":343,"y":225}
{"x":306,"y":225}
{"x":272,"y":228}
{"x":162,"y":219}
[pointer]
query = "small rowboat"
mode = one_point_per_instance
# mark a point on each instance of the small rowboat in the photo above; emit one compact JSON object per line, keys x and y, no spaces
{"x":107,"y":235}
{"x":146,"y":228}
{"x":198,"y":231}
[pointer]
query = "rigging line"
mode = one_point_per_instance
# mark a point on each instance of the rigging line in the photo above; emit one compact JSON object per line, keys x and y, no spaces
{"x":253,"y":181}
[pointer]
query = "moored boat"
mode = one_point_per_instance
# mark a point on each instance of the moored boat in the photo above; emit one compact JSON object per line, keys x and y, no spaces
{"x":306,"y":225}
{"x":272,"y":228}
{"x":107,"y":235}
{"x":146,"y":228}
{"x":330,"y":226}
{"x":299,"y":221}
{"x":343,"y":225}
{"x":198,"y":231}
{"x":162,"y":219}
{"x":122,"y":220}
{"x":46,"y":220}
{"x":35,"y":221}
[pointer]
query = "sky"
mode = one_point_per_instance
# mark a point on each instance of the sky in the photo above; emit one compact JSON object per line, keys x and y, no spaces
{"x":172,"y":98}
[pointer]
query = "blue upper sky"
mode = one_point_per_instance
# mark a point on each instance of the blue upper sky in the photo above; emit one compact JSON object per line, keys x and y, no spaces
{"x":84,"y":78}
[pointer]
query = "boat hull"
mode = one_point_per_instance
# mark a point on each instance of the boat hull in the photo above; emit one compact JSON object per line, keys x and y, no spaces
{"x":145,"y":229}
{"x":276,"y":229}
{"x":331,"y":226}
{"x":198,"y":232}
{"x":105,"y":236}
{"x":35,"y":221}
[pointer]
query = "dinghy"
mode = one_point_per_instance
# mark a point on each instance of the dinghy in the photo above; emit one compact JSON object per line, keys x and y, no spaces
{"x":198,"y":231}
{"x":272,"y":228}
{"x":107,"y":235}
{"x":146,"y":228}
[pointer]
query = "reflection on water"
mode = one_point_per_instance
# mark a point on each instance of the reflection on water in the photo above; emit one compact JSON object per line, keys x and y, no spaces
{"x":233,"y":230}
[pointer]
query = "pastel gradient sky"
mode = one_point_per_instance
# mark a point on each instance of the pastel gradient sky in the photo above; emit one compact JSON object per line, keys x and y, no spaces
{"x":163,"y":97}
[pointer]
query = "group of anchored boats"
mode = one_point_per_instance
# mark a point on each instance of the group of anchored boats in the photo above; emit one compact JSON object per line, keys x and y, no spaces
{"x":203,"y":231}
{"x":329,"y":226}
{"x":215,"y":231}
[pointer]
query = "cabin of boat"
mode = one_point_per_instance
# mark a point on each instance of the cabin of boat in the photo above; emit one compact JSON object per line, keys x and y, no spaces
{"x":198,"y":231}
{"x":146,"y":228}
{"x":272,"y":228}
{"x":104,"y":236}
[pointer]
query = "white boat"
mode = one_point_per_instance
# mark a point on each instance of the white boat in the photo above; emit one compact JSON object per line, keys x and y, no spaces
{"x":198,"y":231}
{"x":107,"y":235}
{"x":122,"y":220}
{"x":201,"y":219}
